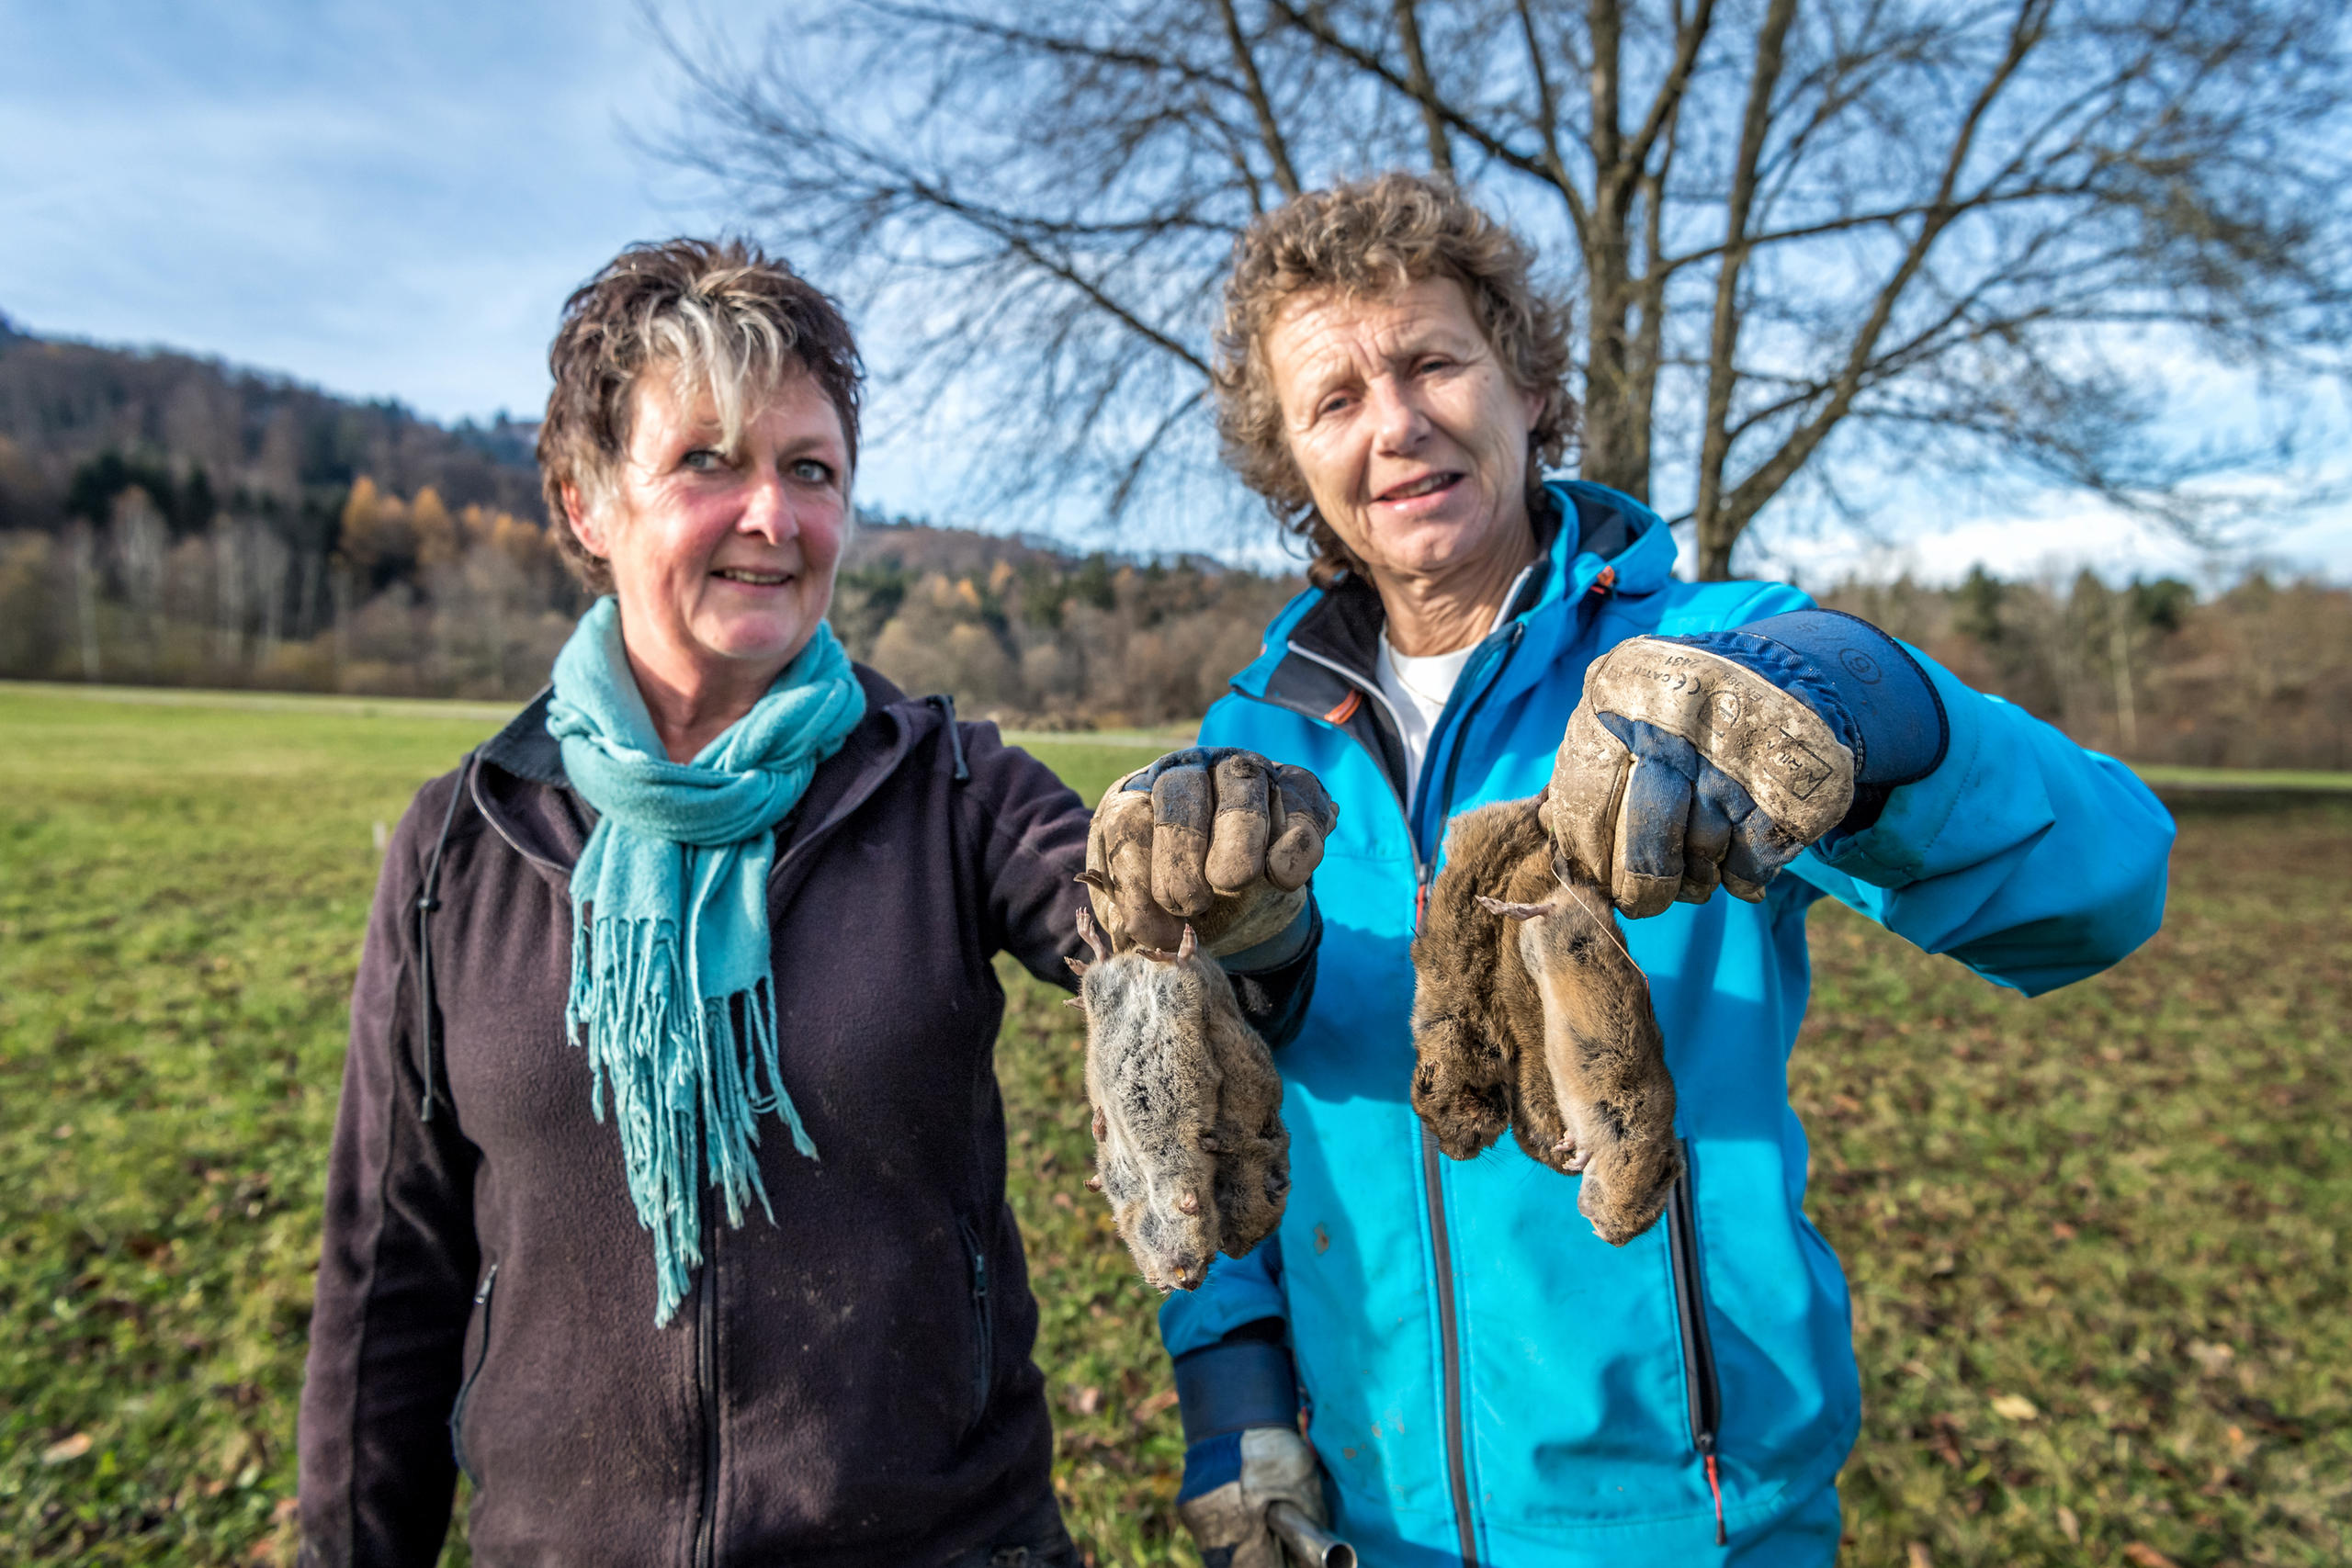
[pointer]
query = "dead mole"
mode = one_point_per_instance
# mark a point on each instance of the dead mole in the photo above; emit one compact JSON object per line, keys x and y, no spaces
{"x":1529,"y":1013}
{"x":1189,"y":1141}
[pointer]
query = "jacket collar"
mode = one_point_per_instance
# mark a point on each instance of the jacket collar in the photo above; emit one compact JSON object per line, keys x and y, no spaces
{"x":1319,"y":651}
{"x":522,"y":791}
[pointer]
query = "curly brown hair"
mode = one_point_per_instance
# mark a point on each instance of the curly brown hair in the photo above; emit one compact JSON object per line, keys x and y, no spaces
{"x":719,"y":314}
{"x":1374,"y":237}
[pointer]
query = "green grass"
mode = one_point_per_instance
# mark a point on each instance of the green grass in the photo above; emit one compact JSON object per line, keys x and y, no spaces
{"x":2163,"y":775}
{"x":2125,"y":1205}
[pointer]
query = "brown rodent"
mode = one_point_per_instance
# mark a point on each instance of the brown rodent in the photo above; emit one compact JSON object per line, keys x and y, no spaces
{"x":1528,"y":1013}
{"x":1189,"y":1141}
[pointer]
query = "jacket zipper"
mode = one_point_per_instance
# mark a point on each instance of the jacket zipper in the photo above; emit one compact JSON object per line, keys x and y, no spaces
{"x":1697,"y":1347}
{"x":984,"y":1321}
{"x":706,"y":1382}
{"x":466,"y":1389}
{"x":1432,"y":1160}
{"x":1432,"y":1165}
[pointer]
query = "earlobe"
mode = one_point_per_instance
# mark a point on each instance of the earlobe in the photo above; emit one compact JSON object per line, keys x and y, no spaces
{"x":583,"y":526}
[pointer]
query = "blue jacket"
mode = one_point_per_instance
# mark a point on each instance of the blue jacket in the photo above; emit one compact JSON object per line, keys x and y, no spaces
{"x":1486,"y":1380}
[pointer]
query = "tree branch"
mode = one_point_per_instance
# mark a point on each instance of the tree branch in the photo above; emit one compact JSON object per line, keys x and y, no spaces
{"x":1270,"y":131}
{"x":1714,"y":446}
{"x":1689,"y":38}
{"x":1765,"y":482}
{"x":1547,"y":126}
{"x":1312,"y":24}
{"x":1424,"y":90}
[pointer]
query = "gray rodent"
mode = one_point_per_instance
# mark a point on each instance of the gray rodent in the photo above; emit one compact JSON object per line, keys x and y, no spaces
{"x":1529,"y":1013}
{"x":1189,"y":1141}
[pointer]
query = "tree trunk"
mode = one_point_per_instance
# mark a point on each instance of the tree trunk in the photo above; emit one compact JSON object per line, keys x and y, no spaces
{"x":85,"y":600}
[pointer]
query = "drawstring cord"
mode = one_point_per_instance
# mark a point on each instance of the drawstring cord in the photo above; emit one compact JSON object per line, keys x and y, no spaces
{"x":1716,"y":1485}
{"x":428,"y":899}
{"x":946,"y":706}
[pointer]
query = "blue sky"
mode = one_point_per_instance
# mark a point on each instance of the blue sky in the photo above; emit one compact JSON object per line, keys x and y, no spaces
{"x":392,"y":201}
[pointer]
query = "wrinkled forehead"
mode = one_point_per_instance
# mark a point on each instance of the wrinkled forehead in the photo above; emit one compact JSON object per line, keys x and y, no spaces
{"x":1319,"y":333}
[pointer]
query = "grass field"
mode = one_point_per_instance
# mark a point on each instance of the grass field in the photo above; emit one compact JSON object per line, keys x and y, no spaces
{"x":2099,"y":1242}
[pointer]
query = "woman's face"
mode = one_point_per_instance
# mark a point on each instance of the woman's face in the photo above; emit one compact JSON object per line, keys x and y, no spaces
{"x":722,"y":559}
{"x":1411,"y":437}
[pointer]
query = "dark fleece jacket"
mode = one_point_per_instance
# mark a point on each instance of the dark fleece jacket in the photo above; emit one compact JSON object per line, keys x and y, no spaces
{"x":849,"y":1385}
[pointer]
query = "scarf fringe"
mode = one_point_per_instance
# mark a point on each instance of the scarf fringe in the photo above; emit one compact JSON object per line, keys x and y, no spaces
{"x":682,"y":1124}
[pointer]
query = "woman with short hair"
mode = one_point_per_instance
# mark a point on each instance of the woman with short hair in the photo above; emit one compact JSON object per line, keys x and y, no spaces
{"x":667,"y":1198}
{"x":1445,"y":1353}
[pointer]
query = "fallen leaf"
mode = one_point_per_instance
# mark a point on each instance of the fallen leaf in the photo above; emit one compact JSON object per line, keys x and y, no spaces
{"x":2016,"y":1406}
{"x":1086,"y":1401}
{"x":2069,"y":1526}
{"x":2063,"y":1231}
{"x":2142,"y":1555}
{"x":1915,"y":1555}
{"x":73,"y":1447}
{"x":1154,"y":1404}
{"x":2212,"y":1359}
{"x":286,"y":1508}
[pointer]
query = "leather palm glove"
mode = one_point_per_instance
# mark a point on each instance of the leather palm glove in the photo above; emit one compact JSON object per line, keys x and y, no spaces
{"x":1237,"y":1476}
{"x":1212,"y":837}
{"x":1238,"y":1398}
{"x":1699,"y":762}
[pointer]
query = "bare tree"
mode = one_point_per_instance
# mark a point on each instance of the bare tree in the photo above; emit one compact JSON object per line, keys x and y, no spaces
{"x":231,"y":577}
{"x":142,"y":541}
{"x":82,"y":553}
{"x":1969,"y":236}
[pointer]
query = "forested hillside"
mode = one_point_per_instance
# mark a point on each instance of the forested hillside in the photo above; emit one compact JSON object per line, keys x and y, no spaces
{"x":167,"y":519}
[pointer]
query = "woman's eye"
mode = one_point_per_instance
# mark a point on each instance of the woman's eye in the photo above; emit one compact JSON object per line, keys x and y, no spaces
{"x":808,"y":470}
{"x":702,"y":460}
{"x":1434,"y":364}
{"x":1336,"y":404}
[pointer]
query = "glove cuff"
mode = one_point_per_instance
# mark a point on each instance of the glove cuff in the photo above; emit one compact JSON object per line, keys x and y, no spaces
{"x":1864,"y":683}
{"x":1209,"y":1464}
{"x":1242,"y":1381}
{"x":1277,"y":951}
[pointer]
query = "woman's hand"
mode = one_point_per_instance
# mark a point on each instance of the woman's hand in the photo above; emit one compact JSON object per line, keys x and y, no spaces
{"x":1212,"y":837}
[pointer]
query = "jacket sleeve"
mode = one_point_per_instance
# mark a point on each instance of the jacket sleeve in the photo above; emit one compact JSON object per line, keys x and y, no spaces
{"x":1029,"y":838}
{"x":396,"y":1267}
{"x":1239,"y":1292}
{"x":2030,"y":860}
{"x":1031,"y":845}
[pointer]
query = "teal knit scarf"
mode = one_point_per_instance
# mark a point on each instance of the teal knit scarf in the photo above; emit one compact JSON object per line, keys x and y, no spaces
{"x":672,"y":993}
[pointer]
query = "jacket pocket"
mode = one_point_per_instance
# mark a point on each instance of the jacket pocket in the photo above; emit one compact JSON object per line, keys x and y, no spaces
{"x":466,"y":1389}
{"x":983,"y":1321}
{"x":1702,"y":1392}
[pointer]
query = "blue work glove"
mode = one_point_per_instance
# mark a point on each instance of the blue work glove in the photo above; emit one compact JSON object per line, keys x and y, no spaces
{"x":1700,"y":762}
{"x":1242,"y":1448}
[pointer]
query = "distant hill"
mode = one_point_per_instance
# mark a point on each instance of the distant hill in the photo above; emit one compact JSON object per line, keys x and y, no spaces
{"x":171,"y":519}
{"x":66,"y":405}
{"x":175,"y":519}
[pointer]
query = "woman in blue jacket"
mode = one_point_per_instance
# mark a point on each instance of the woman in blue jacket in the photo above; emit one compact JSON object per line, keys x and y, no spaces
{"x":1443,"y":1355}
